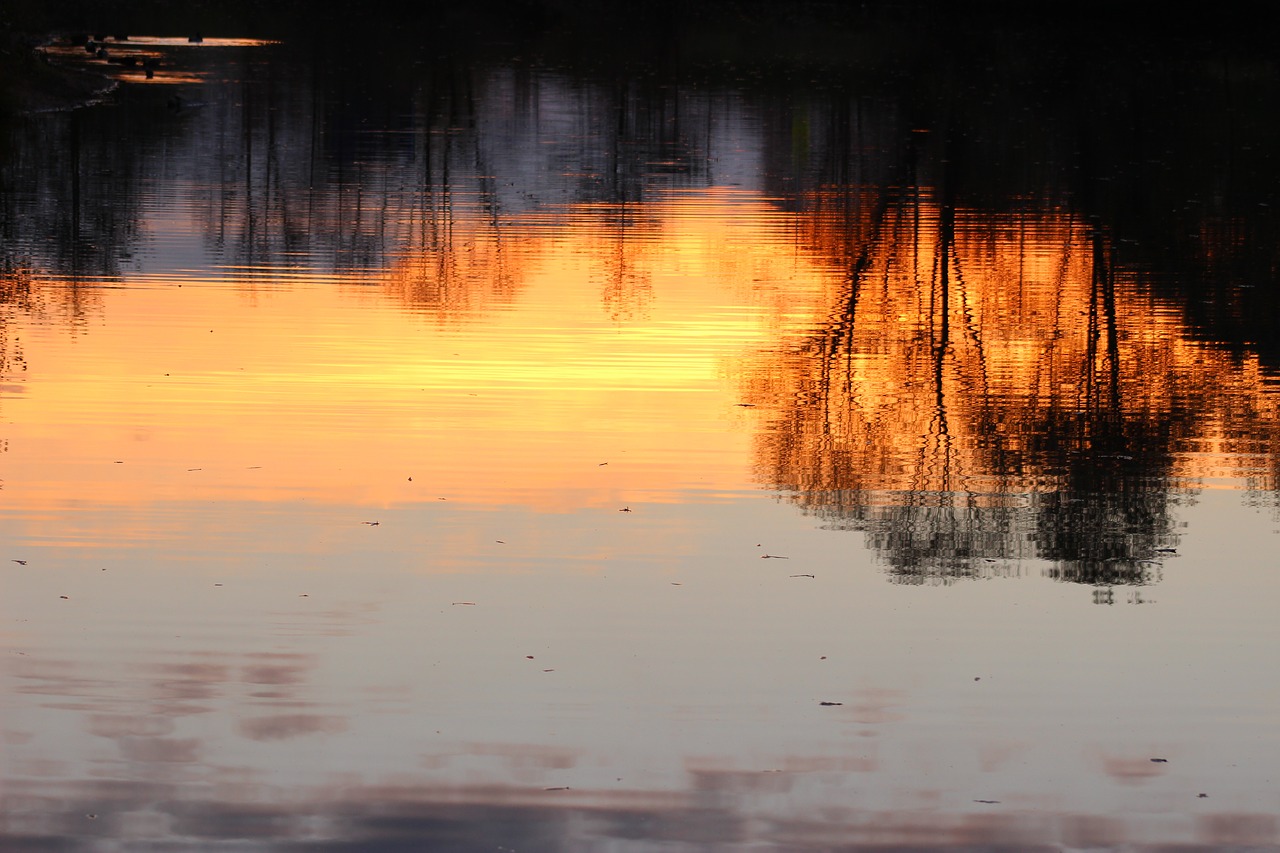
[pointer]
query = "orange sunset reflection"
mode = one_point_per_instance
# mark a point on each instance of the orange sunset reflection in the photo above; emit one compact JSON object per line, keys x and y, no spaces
{"x":994,"y":386}
{"x":494,"y":367}
{"x":906,"y":366}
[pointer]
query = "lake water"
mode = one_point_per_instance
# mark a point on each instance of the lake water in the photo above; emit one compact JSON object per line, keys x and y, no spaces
{"x":511,"y":456}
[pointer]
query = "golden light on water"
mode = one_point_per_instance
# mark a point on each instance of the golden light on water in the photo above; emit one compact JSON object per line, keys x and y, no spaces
{"x":324,"y":392}
{"x":330,"y":389}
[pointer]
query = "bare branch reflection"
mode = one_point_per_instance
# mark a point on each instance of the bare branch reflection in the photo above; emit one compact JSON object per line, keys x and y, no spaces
{"x":990,"y":388}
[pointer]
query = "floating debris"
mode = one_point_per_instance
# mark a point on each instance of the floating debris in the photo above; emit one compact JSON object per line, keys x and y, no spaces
{"x":829,"y":704}
{"x":799,"y":576}
{"x":467,"y":603}
{"x":1159,"y":761}
{"x":773,"y":557}
{"x":988,"y":802}
{"x":561,"y":788}
{"x":19,"y":562}
{"x":371,"y":523}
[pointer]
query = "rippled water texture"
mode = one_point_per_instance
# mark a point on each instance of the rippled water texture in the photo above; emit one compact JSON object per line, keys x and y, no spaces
{"x":516,"y":457}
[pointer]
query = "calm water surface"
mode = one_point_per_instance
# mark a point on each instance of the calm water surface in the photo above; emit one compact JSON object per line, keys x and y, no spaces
{"x":511,"y":458}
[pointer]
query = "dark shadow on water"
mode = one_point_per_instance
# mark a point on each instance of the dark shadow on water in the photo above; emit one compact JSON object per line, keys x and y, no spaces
{"x":417,"y":817}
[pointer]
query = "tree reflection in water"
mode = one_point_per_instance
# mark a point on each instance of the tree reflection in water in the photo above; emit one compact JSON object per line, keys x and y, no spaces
{"x":991,"y":387}
{"x":994,"y":380}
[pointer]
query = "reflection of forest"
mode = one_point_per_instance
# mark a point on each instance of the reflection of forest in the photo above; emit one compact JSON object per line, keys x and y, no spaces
{"x":989,"y":387}
{"x":340,"y":166}
{"x":995,"y":380}
{"x":290,"y":171}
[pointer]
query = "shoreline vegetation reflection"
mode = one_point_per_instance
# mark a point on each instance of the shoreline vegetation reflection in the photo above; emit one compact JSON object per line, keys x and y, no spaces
{"x":1000,"y":370}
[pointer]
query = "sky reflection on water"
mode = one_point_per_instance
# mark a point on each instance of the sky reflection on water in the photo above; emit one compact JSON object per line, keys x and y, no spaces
{"x":524,"y":467}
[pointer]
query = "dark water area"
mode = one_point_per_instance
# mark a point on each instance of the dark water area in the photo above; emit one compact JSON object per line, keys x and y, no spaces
{"x":770,"y":427}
